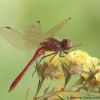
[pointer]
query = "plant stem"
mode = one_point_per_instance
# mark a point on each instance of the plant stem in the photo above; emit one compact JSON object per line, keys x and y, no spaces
{"x":38,"y":89}
{"x":51,"y":94}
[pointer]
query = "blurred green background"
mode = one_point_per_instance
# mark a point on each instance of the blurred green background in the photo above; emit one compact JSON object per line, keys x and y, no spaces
{"x":83,"y":28}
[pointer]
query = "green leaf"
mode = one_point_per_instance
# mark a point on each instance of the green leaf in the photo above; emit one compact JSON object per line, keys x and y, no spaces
{"x":67,"y":74}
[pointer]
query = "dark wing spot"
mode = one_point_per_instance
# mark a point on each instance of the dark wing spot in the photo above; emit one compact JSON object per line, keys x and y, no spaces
{"x":38,"y":21}
{"x":70,"y":18}
{"x":8,"y":27}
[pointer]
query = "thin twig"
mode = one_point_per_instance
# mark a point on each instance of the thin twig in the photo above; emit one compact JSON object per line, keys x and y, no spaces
{"x":27,"y":93}
{"x":38,"y":89}
{"x":52,"y":94}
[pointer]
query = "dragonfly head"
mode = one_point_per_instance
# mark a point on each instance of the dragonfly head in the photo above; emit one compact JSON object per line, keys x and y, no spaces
{"x":66,"y":44}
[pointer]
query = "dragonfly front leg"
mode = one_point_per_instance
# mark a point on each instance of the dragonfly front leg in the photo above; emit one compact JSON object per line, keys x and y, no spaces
{"x":65,"y":52}
{"x":60,"y":54}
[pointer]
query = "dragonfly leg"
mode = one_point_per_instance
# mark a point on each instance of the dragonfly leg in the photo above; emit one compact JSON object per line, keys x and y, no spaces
{"x":65,"y":52}
{"x":55,"y":53}
{"x":46,"y":56}
{"x":53,"y":57}
{"x":61,"y":54}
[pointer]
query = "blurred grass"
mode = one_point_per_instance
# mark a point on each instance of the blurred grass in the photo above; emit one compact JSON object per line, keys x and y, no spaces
{"x":84,"y":28}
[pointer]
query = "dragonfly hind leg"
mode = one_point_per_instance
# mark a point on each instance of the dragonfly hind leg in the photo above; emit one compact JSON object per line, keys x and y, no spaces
{"x":47,"y":56}
{"x":53,"y":57}
{"x":55,"y":53}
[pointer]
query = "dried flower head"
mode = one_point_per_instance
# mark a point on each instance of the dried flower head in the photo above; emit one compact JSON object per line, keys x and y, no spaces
{"x":90,"y":83}
{"x":75,"y":62}
{"x":78,"y":60}
{"x":80,"y":57}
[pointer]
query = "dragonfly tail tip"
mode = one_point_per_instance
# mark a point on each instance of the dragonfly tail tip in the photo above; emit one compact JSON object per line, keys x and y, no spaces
{"x":10,"y":89}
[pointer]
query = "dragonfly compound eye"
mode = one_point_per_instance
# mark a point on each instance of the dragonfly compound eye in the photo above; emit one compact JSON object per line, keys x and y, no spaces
{"x":66,"y":43}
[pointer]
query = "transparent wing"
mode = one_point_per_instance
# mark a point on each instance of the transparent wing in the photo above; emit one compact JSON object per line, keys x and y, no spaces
{"x":31,"y":36}
{"x":13,"y":37}
{"x":34,"y":34}
{"x":35,"y":29}
{"x":58,"y":27}
{"x":20,"y":40}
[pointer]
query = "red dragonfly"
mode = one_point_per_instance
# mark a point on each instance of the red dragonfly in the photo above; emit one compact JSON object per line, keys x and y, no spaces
{"x":33,"y":36}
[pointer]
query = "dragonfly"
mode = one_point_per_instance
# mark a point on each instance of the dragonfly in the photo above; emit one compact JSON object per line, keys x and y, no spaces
{"x":33,"y":37}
